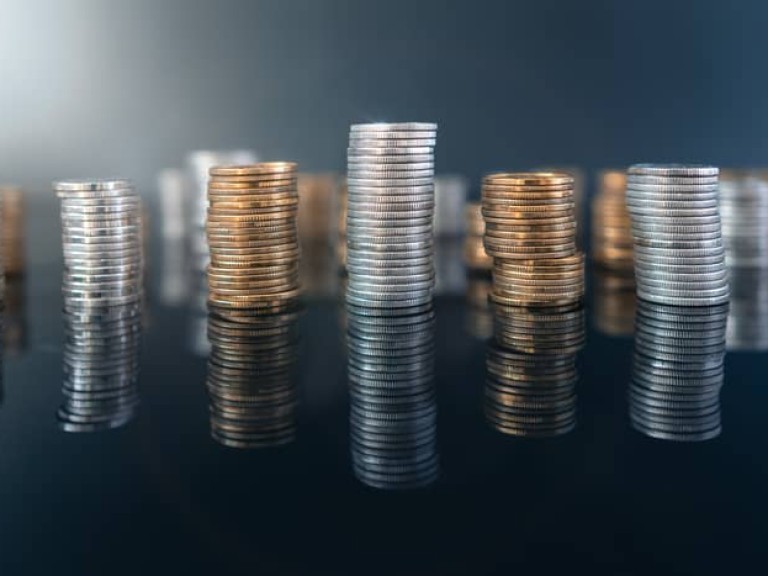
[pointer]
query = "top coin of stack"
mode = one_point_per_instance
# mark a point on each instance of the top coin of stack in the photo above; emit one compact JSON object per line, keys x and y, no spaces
{"x":530,"y":231}
{"x":611,"y":226}
{"x":744,"y":214}
{"x":252,"y":235}
{"x":475,"y":256}
{"x":678,"y":248}
{"x":390,"y":210}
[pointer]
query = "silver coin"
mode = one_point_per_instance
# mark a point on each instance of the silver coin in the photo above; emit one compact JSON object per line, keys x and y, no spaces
{"x":393,"y":126}
{"x":677,"y":170}
{"x":384,"y":151}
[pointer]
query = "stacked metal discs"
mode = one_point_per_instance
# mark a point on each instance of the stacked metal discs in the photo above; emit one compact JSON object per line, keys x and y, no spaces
{"x":530,"y":232}
{"x":12,"y":230}
{"x":678,"y":247}
{"x":611,"y":224}
{"x":251,"y":378}
{"x":744,"y":214}
{"x":614,"y":302}
{"x":392,"y":397}
{"x":678,"y":371}
{"x":390,"y":169}
{"x":475,"y":256}
{"x":748,"y":315}
{"x":531,"y":370}
{"x":252,"y":236}
{"x":103,"y":292}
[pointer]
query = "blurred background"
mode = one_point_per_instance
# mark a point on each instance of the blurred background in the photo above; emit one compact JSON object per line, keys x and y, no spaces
{"x":129,"y":87}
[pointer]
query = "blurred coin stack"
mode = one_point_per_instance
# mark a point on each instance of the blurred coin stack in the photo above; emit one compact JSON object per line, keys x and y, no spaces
{"x":530,"y":232}
{"x":392,"y":397}
{"x":748,"y":314}
{"x":744,"y":215}
{"x":103,"y":292}
{"x":341,"y":227}
{"x":12,"y":229}
{"x":450,"y":199}
{"x":478,"y":306}
{"x":677,"y":371}
{"x":251,"y":377}
{"x":474,"y":250}
{"x":390,"y":208}
{"x":614,"y":301}
{"x":254,"y":246}
{"x":315,"y":221}
{"x":199,"y":163}
{"x":678,"y":247}
{"x":611,"y":224}
{"x":531,"y":370}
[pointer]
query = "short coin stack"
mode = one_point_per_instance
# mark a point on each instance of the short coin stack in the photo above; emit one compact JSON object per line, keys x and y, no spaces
{"x":678,"y":371}
{"x":530,"y":232}
{"x":531,"y":370}
{"x":12,"y":230}
{"x":614,"y":301}
{"x":391,"y":199}
{"x":744,"y":215}
{"x":252,"y":236}
{"x":611,"y":225}
{"x":392,"y":397}
{"x":103,"y":293}
{"x":251,"y":378}
{"x":678,"y":247}
{"x":474,"y":250}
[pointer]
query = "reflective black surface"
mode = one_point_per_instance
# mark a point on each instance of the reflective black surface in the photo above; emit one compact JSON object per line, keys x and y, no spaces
{"x":161,"y":494}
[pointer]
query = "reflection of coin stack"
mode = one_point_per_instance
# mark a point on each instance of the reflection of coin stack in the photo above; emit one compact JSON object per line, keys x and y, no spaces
{"x":251,"y":378}
{"x":392,"y":397}
{"x":315,"y":223}
{"x":198,"y":165}
{"x":744,"y":215}
{"x":12,"y":213}
{"x":678,"y":371}
{"x":479,"y":315}
{"x":390,"y":244}
{"x":474,"y":251}
{"x":611,"y":226}
{"x":531,"y":370}
{"x":530,"y":232}
{"x":748,"y":315}
{"x":252,"y":235}
{"x":103,"y":292}
{"x":614,"y":301}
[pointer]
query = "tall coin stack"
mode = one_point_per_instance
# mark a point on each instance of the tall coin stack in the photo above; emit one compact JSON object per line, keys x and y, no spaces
{"x":393,"y":410}
{"x":530,"y":232}
{"x":611,"y":225}
{"x":474,"y":251}
{"x":531,"y":370}
{"x":678,"y":247}
{"x":391,"y":201}
{"x":252,"y":236}
{"x":103,"y":292}
{"x":678,"y":371}
{"x":251,"y":378}
{"x":744,"y":215}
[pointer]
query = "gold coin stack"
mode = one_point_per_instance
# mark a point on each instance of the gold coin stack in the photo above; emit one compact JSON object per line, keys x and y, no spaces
{"x":530,"y":232}
{"x":611,"y":225}
{"x":12,"y":230}
{"x":475,"y":256}
{"x":252,"y":236}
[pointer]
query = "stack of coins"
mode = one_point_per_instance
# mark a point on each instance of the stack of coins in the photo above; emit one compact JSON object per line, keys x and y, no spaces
{"x":744,"y":215}
{"x":478,"y":308}
{"x":611,"y":225}
{"x":530,"y":232}
{"x":252,"y":236}
{"x":251,"y":378}
{"x":103,"y":292}
{"x":475,"y":256}
{"x":531,"y":370}
{"x":12,"y":230}
{"x":341,"y":225}
{"x":392,"y":397}
{"x":678,"y":248}
{"x":678,"y":371}
{"x":614,"y":301}
{"x":748,"y":315}
{"x":391,"y":200}
{"x":199,"y":163}
{"x":450,"y":198}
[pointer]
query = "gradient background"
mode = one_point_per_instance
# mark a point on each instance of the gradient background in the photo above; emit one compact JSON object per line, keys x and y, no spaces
{"x":127,"y":87}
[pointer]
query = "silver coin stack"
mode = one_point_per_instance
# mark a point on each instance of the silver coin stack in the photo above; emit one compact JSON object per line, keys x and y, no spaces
{"x":678,"y":246}
{"x":744,"y":214}
{"x":392,"y":397}
{"x":748,"y":315}
{"x":678,"y":371}
{"x":531,"y":378}
{"x":391,"y":199}
{"x":103,"y":291}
